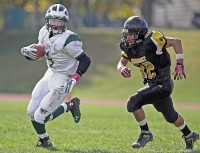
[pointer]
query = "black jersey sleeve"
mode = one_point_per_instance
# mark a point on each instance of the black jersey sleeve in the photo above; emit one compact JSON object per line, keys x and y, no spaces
{"x":156,"y":42}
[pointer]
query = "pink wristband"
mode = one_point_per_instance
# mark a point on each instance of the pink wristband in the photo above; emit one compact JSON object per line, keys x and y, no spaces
{"x":179,"y":61}
{"x":76,"y":76}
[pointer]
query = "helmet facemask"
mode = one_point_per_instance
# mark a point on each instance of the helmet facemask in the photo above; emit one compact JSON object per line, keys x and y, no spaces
{"x":135,"y":40}
{"x":56,"y":25}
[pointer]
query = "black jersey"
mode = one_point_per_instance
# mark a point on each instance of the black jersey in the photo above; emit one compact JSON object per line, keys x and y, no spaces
{"x":150,"y":55}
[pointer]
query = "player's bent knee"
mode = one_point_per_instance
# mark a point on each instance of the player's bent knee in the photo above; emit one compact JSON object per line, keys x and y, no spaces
{"x":39,"y":117}
{"x":132,"y":104}
{"x":171,"y":118}
{"x":30,"y":114}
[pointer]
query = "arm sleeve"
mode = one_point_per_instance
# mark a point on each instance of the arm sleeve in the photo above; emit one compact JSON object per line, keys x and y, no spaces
{"x":84,"y":63}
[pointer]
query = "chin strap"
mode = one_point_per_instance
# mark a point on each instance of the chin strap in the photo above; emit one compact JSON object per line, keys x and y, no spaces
{"x":50,"y":34}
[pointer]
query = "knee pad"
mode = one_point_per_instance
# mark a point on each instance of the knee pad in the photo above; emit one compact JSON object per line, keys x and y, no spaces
{"x":32,"y":107}
{"x":133,"y":103}
{"x":30,"y":114}
{"x":171,"y":118}
{"x":39,"y":115}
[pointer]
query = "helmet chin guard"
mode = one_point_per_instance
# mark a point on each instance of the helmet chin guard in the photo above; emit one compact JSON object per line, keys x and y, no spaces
{"x":57,"y":17}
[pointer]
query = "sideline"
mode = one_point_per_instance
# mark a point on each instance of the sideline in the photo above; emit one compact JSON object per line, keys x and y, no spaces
{"x":5,"y":97}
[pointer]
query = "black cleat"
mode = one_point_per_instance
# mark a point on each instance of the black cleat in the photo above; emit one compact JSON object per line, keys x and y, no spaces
{"x":144,"y":137}
{"x":73,"y":106}
{"x":190,"y":139}
{"x":45,"y":143}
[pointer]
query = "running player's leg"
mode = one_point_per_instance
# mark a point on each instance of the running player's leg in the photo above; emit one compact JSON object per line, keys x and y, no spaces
{"x":167,"y":109}
{"x":39,"y":91}
{"x":144,"y":96}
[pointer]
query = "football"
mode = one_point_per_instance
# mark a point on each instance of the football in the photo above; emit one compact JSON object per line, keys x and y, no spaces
{"x":40,"y":52}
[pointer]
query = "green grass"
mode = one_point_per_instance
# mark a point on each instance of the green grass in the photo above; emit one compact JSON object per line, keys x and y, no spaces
{"x":102,"y":129}
{"x":102,"y":80}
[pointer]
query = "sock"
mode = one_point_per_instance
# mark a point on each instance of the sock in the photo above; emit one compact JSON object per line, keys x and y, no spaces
{"x":60,"y":110}
{"x":39,"y":128}
{"x":42,"y":136}
{"x":143,"y":125}
{"x":184,"y":129}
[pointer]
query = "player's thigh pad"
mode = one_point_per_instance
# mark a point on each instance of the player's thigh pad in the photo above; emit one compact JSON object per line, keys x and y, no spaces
{"x":39,"y":91}
{"x":146,"y":95}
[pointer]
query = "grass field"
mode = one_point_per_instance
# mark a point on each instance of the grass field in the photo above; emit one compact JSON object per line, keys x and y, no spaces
{"x":102,"y":129}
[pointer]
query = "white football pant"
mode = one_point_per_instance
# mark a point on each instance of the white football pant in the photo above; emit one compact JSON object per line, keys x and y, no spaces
{"x":47,"y":96}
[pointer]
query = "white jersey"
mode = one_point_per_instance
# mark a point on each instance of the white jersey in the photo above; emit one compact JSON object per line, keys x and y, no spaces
{"x":61,"y":50}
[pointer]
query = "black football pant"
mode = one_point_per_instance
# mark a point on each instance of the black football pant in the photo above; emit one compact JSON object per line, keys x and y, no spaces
{"x":159,"y":96}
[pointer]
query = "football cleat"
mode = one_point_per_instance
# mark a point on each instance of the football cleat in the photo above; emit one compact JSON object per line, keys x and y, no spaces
{"x":74,"y":109}
{"x":190,"y":139}
{"x":144,"y":137}
{"x":45,"y":143}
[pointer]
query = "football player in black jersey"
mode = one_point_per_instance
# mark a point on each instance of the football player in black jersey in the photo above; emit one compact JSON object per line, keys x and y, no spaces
{"x":147,"y":51}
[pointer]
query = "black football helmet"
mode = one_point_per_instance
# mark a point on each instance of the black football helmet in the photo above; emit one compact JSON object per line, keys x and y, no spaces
{"x":135,"y":25}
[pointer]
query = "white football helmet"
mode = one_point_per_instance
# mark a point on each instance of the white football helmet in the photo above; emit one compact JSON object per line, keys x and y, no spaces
{"x":57,"y":17}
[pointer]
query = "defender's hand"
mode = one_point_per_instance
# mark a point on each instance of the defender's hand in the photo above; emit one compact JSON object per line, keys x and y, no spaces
{"x":179,"y":71}
{"x":29,"y":51}
{"x":125,"y":72}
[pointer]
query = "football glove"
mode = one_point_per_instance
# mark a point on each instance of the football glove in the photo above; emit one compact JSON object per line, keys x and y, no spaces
{"x":69,"y":84}
{"x":125,"y":72}
{"x":179,"y":71}
{"x":29,"y":51}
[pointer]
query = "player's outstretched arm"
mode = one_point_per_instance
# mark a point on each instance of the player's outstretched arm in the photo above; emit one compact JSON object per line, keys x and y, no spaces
{"x":179,"y":71}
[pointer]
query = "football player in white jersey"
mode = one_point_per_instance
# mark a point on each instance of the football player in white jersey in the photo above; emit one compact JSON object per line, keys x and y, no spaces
{"x":66,"y":63}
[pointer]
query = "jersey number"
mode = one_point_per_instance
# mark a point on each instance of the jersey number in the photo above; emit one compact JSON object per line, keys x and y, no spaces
{"x":147,"y":68}
{"x":49,"y":60}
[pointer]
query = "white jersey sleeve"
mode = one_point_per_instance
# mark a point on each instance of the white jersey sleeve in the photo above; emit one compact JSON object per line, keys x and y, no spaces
{"x":73,"y":45}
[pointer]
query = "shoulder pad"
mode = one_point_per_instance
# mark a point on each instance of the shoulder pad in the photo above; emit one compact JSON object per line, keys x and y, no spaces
{"x":124,"y":54}
{"x":72,"y":37}
{"x":158,"y":37}
{"x":159,"y":40}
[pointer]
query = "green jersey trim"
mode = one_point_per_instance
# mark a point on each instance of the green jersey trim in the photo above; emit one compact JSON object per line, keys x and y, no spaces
{"x":71,"y":38}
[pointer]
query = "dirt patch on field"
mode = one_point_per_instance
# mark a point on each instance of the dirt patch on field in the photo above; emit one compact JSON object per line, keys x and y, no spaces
{"x":26,"y":98}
